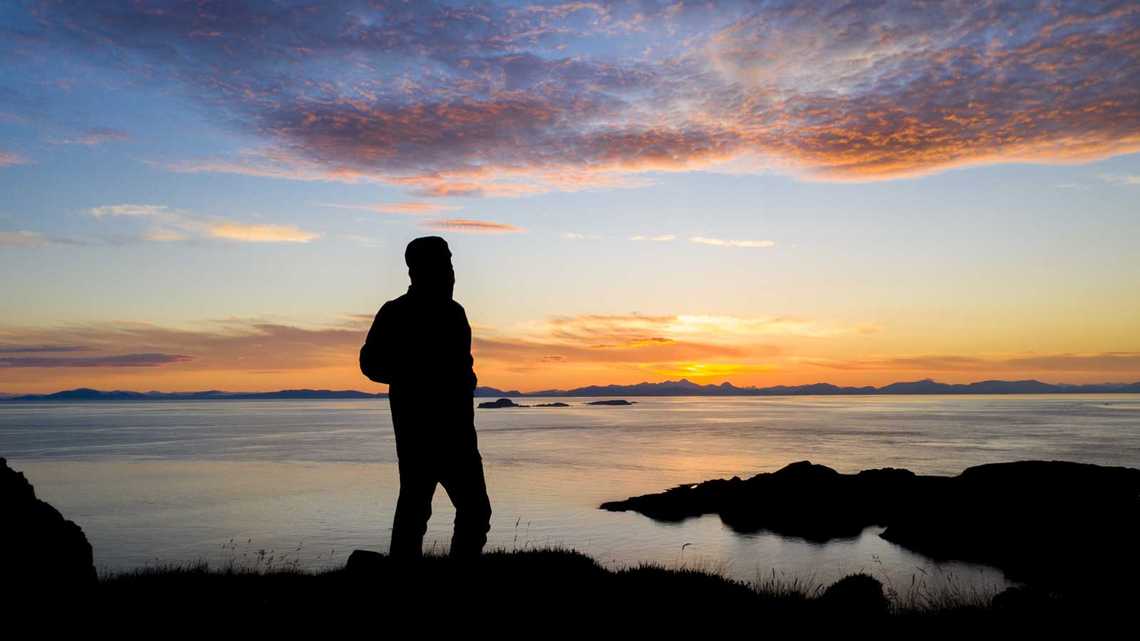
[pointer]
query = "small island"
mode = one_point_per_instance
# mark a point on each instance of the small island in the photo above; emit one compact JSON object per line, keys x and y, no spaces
{"x":506,"y":402}
{"x":502,"y":402}
{"x":619,"y":401}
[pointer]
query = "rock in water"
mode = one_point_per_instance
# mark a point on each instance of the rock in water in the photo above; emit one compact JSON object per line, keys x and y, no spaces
{"x":46,"y":556}
{"x":502,"y":402}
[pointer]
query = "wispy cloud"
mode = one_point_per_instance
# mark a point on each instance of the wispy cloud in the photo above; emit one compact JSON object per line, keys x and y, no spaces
{"x":92,"y":137}
{"x":118,"y":360}
{"x":662,"y":238}
{"x":22,"y":239}
{"x":1107,"y":362}
{"x":127,"y":210}
{"x":259,"y":233}
{"x":414,"y":207}
{"x":639,"y":331}
{"x":41,"y":349}
{"x":1118,"y":179}
{"x":8,"y":159}
{"x":234,"y":344}
{"x":467,"y":226}
{"x":171,"y":225}
{"x":668,"y":345}
{"x":165,"y":235}
{"x":720,"y":242}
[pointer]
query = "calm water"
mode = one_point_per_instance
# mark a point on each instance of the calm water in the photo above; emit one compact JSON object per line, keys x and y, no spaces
{"x":308,"y":481}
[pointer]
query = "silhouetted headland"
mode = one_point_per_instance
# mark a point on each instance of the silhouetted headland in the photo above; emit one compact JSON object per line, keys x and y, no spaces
{"x":45,"y":555}
{"x":1048,"y":522}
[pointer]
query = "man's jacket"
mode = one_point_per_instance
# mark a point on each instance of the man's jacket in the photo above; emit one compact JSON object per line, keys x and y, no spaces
{"x":420,"y":345}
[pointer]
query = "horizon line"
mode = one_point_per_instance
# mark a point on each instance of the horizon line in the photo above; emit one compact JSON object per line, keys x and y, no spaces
{"x":870,"y":389}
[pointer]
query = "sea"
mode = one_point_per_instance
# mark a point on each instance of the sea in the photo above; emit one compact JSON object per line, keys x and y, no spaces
{"x":302,"y":483}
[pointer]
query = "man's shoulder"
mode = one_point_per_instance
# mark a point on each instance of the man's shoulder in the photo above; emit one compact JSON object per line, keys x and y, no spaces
{"x":390,"y":310}
{"x":398,"y":302}
{"x":406,"y":303}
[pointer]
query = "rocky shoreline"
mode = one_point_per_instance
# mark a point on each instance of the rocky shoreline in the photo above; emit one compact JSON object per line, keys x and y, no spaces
{"x":1056,"y":523}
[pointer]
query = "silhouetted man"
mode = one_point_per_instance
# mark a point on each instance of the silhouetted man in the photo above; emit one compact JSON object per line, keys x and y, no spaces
{"x":420,"y":345}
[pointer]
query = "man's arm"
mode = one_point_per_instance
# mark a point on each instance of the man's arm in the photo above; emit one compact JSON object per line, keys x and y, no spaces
{"x":376,"y":354}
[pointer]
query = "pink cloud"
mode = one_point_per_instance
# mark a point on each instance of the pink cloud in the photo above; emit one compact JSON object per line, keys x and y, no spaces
{"x":467,"y":226}
{"x":484,"y":101}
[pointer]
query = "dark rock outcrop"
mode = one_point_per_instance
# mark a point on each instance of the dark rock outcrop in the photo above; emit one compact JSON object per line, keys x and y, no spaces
{"x":555,"y":404}
{"x":618,"y":401}
{"x":803,"y":500}
{"x":1049,"y":522}
{"x":502,"y":402}
{"x":45,"y":555}
{"x":364,"y":561}
{"x":1055,"y":521}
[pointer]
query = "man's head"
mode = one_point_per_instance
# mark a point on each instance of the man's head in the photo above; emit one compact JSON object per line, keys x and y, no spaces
{"x":429,"y":265}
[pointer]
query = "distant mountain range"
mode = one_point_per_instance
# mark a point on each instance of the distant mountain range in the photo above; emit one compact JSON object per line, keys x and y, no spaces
{"x":685,"y":387}
{"x":682,"y":387}
{"x":87,"y":394}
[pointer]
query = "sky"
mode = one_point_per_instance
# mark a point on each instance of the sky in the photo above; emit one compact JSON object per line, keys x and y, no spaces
{"x":217,"y":195}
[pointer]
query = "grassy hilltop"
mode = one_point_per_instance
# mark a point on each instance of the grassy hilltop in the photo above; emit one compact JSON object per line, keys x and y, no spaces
{"x":550,"y":587}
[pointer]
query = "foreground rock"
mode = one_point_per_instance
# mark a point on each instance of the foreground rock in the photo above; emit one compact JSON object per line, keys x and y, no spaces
{"x":1042,"y":521}
{"x":857,"y":595}
{"x":44,"y":555}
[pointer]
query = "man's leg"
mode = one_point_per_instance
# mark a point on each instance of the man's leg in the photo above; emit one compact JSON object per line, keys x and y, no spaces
{"x":413,"y":509}
{"x":463,"y":480}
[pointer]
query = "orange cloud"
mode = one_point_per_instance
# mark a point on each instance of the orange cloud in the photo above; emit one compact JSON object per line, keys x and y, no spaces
{"x":409,"y":207}
{"x":170,"y":225}
{"x":259,"y":233}
{"x":720,"y":242}
{"x":467,"y":226}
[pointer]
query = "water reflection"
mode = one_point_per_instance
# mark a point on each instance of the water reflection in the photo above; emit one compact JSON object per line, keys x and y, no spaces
{"x":311,"y":480}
